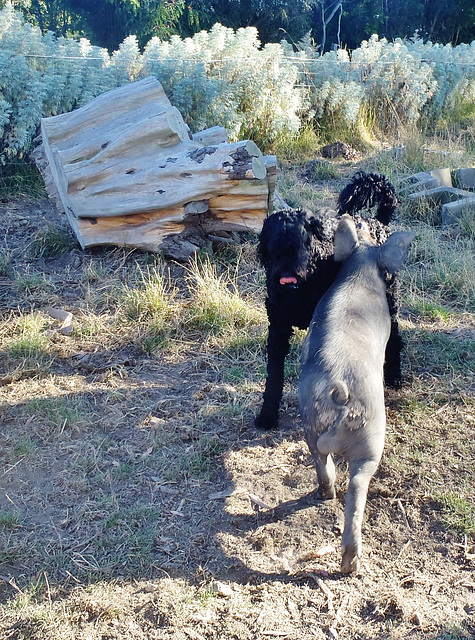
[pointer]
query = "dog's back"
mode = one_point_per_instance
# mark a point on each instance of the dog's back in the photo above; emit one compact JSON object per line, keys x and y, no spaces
{"x":343,"y":356}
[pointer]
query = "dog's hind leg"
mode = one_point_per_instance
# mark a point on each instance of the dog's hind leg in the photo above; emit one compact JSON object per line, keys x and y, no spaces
{"x":361,"y":472}
{"x":395,"y":345}
{"x":277,"y":349}
{"x":392,"y":362}
{"x":326,"y":473}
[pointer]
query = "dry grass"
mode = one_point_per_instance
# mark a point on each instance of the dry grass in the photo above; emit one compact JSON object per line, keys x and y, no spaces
{"x":137,"y":501}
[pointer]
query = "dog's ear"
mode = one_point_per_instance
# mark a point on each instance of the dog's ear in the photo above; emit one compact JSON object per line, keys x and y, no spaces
{"x":394,"y":251}
{"x":320,"y":227}
{"x":346,"y":238}
{"x":264,"y":238}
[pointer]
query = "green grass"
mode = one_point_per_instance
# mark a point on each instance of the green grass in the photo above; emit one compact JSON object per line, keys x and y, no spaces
{"x":51,"y":241}
{"x":458,"y":512}
{"x":28,"y":340}
{"x":9,"y":520}
{"x":215,"y":303}
{"x":431,"y":311}
{"x":63,"y":413}
{"x":441,"y":353}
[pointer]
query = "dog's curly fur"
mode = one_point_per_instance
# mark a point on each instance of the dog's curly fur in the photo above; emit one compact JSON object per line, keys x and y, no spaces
{"x":296,"y":250}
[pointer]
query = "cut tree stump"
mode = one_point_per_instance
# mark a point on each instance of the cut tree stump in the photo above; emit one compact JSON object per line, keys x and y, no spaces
{"x":127,"y":171}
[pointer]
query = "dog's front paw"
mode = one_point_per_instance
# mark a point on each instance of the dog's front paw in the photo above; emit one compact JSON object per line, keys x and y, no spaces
{"x":350,"y":562}
{"x":327,"y":493}
{"x":394,"y":383}
{"x":267,"y":420}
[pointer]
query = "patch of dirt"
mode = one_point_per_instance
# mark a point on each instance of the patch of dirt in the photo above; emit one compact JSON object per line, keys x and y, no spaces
{"x":137,"y":500}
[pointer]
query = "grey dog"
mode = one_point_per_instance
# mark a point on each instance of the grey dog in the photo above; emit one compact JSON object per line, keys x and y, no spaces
{"x":341,"y":388}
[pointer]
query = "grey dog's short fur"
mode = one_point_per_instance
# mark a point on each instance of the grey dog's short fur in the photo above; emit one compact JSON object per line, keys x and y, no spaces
{"x":341,"y":389}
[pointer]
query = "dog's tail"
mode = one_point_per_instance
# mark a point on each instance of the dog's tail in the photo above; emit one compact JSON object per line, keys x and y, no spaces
{"x":369,"y":190}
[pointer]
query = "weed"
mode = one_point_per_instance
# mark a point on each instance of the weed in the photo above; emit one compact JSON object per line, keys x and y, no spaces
{"x":325,"y":170}
{"x":297,"y":194}
{"x":24,"y":447}
{"x":32,"y":283}
{"x":432,"y":311}
{"x":298,"y":146}
{"x":441,"y":270}
{"x":202,"y":458}
{"x":458,"y":512}
{"x":216,"y":303}
{"x":467,"y":223}
{"x":5,"y":261}
{"x":125,"y":470}
{"x":63,"y":413}
{"x":95,"y":272}
{"x":21,"y":178}
{"x":93,"y":325}
{"x":28,"y":346}
{"x":28,"y":339}
{"x":441,"y":353}
{"x":131,"y":518}
{"x":152,"y":300}
{"x":456,"y":632}
{"x":292,"y":362}
{"x":152,"y":307}
{"x":51,"y":241}
{"x":9,"y":520}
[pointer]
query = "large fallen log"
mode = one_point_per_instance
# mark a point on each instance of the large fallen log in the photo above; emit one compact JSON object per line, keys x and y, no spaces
{"x":127,"y":171}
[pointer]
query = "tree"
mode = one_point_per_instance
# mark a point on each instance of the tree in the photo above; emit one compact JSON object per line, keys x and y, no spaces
{"x":274,"y":19}
{"x":454,"y":22}
{"x":342,"y":22}
{"x":359,"y":20}
{"x":106,"y":22}
{"x":327,"y":21}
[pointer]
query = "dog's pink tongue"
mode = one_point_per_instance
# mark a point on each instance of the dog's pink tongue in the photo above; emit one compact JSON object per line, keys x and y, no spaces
{"x":288,"y":280}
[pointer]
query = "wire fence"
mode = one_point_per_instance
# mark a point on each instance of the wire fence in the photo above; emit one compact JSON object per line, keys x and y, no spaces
{"x":292,"y":59}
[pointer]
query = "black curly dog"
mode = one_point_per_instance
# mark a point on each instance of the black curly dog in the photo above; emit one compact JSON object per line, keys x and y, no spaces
{"x":296,"y":250}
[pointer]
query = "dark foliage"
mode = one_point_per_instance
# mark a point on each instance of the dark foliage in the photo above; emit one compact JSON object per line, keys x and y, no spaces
{"x":331,"y":22}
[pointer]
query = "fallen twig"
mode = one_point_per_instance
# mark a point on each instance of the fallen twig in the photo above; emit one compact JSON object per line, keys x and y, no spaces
{"x":257,"y":501}
{"x":327,"y":592}
{"x":404,"y":517}
{"x":11,"y":583}
{"x":405,"y":548}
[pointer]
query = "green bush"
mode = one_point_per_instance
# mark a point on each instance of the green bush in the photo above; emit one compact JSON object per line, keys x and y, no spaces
{"x":225,"y":77}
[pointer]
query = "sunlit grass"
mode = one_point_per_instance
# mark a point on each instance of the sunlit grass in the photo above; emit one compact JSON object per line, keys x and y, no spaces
{"x":215,"y":303}
{"x":28,"y":339}
{"x":440,"y":270}
{"x":458,"y":512}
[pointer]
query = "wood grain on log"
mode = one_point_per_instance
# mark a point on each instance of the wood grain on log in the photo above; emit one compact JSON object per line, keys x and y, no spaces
{"x":129,"y":172}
